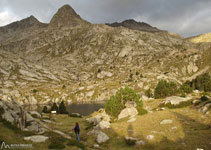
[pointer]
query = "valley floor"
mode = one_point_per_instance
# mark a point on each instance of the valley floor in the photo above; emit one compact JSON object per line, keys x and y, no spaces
{"x":188,"y":129}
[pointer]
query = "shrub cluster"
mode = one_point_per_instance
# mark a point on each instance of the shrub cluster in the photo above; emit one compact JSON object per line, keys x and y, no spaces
{"x":202,"y":83}
{"x":204,"y":98}
{"x":186,"y":87}
{"x":149,"y":93}
{"x":165,"y":89}
{"x":117,"y":102}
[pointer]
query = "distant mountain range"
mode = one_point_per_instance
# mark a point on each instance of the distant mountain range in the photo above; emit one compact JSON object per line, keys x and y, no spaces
{"x":132,"y":24}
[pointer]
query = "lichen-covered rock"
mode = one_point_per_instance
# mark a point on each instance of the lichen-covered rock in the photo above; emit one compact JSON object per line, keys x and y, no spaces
{"x":127,"y":112}
{"x":102,"y":138}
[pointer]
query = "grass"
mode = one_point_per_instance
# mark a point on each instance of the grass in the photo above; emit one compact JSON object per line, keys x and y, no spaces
{"x":189,"y":130}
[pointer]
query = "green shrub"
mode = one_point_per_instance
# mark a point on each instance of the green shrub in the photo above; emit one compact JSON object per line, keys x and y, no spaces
{"x":186,"y":88}
{"x":62,"y":108}
{"x":117,"y":102}
{"x":202,"y":83}
{"x":56,"y":143}
{"x":148,"y":93}
{"x":131,"y":75}
{"x":1,"y":113}
{"x":99,"y":70}
{"x":204,"y":98}
{"x":165,"y":89}
{"x":77,"y":144}
{"x":130,"y":142}
{"x":34,"y":90}
{"x":45,"y":109}
{"x":54,"y":107}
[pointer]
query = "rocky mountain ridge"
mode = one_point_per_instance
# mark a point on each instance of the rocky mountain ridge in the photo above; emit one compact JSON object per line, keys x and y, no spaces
{"x":76,"y":61}
{"x":134,"y":25}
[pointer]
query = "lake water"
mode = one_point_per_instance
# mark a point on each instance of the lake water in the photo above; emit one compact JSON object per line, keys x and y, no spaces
{"x":83,"y":109}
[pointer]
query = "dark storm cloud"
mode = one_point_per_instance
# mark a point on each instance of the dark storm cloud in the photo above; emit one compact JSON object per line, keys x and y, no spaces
{"x":186,"y":17}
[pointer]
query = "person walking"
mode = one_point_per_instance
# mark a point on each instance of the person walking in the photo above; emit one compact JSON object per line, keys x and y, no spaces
{"x":77,"y":131}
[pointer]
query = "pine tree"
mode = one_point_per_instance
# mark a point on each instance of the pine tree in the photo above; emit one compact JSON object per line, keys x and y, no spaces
{"x":62,"y":108}
{"x":54,"y":107}
{"x":45,"y":109}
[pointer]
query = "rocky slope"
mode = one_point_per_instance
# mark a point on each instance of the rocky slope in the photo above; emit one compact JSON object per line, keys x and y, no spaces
{"x":201,"y":38}
{"x":73,"y":60}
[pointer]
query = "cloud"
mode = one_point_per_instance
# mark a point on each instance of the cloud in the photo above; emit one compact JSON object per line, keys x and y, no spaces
{"x":186,"y":17}
{"x":6,"y":18}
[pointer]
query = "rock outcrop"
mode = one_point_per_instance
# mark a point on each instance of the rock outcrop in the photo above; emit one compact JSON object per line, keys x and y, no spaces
{"x":175,"y":100}
{"x":130,"y":110}
{"x":13,"y":113}
{"x":36,"y":138}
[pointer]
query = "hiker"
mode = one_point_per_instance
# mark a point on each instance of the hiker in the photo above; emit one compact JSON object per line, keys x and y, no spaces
{"x":77,"y":131}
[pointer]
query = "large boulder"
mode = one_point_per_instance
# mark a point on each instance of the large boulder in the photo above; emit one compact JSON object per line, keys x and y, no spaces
{"x":36,"y":138}
{"x":175,"y":100}
{"x":13,"y":112}
{"x":127,"y":112}
{"x":102,"y":138}
{"x":166,"y":122}
{"x":103,"y":125}
{"x":101,"y":120}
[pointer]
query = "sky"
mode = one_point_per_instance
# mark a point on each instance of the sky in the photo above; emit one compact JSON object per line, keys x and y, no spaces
{"x":185,"y":17}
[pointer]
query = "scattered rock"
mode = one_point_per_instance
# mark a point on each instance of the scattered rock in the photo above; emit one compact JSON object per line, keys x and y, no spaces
{"x":132,"y":120}
{"x":75,"y":115}
{"x":34,"y":127}
{"x":104,"y":74}
{"x":141,"y":142}
{"x":35,"y":114}
{"x":49,"y":121}
{"x":166,"y":122}
{"x":174,"y":128}
{"x":205,"y":108}
{"x":150,"y":137}
{"x":36,"y":138}
{"x":102,"y":138}
{"x":196,"y":102}
{"x":103,"y":125}
{"x":94,"y":120}
{"x":144,"y":98}
{"x":96,"y":146}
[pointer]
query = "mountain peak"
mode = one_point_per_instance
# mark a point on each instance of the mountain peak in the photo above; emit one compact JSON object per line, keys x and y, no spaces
{"x":65,"y":16}
{"x":29,"y":23}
